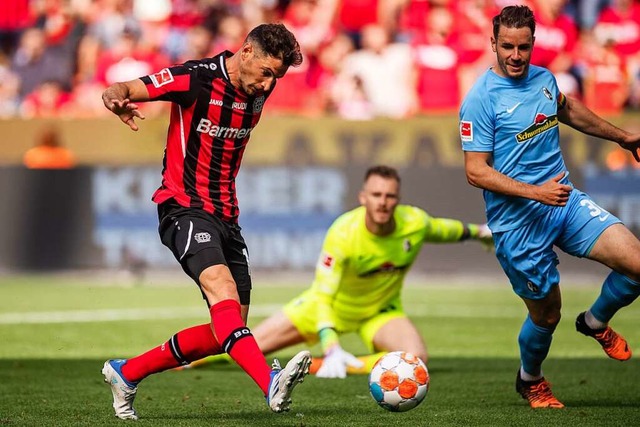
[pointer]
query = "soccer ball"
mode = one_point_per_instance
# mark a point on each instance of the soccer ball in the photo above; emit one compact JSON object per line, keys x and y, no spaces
{"x":399,"y":381}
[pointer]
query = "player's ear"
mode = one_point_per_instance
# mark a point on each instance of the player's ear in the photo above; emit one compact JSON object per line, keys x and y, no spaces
{"x":493,"y":44}
{"x":246,"y":50}
{"x":361,"y":197}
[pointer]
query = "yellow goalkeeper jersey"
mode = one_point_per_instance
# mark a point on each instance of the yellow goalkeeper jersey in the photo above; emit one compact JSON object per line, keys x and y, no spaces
{"x":358,"y":273}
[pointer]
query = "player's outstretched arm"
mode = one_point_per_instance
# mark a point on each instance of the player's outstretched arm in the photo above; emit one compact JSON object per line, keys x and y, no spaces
{"x":120,"y":98}
{"x":579,"y":117}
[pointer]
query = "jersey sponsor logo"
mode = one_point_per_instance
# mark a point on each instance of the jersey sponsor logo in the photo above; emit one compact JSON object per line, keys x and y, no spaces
{"x":541,"y":123}
{"x":161,"y":78}
{"x":203,"y":237}
{"x":547,"y":93}
{"x":216,"y":102}
{"x":239,"y":106}
{"x":466,"y":130}
{"x":258,"y":103}
{"x":207,"y":127}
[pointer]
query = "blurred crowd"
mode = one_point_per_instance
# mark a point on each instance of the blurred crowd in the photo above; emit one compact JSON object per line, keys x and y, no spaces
{"x":363,"y":58}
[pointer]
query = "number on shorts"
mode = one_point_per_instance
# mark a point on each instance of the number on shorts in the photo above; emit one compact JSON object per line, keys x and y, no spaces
{"x":595,"y":210}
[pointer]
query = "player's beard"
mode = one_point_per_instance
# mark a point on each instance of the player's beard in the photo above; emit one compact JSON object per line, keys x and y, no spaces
{"x":505,"y":70}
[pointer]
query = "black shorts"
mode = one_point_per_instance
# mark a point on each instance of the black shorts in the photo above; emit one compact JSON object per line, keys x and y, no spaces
{"x":199,"y":240}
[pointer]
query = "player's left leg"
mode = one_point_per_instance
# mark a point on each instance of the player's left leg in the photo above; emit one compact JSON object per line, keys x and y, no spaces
{"x":619,"y":249}
{"x":400,"y":333}
{"x":594,"y":233}
{"x":390,"y":330}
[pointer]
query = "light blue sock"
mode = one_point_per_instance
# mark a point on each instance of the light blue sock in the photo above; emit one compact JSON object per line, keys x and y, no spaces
{"x":617,"y":291}
{"x":535,"y":342}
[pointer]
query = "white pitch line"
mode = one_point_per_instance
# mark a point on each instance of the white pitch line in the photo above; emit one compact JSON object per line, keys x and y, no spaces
{"x":259,"y":310}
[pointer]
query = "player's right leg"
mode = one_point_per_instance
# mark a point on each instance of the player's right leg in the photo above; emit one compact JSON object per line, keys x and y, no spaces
{"x":123,"y":376}
{"x":526,"y":255}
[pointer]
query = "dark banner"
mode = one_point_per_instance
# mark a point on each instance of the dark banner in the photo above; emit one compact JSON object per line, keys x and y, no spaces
{"x":104,"y":218}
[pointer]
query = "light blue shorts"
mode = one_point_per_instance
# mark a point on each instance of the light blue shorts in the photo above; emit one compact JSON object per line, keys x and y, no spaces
{"x":526,"y":254}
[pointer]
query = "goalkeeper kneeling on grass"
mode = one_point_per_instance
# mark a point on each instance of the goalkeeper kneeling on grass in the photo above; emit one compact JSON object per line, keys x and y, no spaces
{"x":366,"y":254}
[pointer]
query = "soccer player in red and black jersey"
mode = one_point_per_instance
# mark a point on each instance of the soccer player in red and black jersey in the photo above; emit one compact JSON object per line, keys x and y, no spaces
{"x":215,"y":104}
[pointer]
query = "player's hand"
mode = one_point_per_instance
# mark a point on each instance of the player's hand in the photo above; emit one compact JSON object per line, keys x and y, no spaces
{"x":633,"y":146}
{"x":553,"y":193}
{"x":335,"y":363}
{"x":485,"y":237}
{"x":126,"y":110}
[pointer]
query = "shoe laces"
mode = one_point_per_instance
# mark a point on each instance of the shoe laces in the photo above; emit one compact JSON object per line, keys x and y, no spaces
{"x":540,"y":392}
{"x":607,"y":337}
{"x":276,"y":365}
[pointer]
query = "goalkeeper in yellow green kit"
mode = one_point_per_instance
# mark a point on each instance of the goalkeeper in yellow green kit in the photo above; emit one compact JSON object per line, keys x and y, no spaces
{"x":359,"y":276}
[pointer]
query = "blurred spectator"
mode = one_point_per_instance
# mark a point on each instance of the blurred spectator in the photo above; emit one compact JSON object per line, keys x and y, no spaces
{"x":585,"y":12}
{"x":352,"y":16}
{"x":437,"y":64}
{"x":411,"y":19}
{"x":184,"y":14}
{"x":15,"y":17}
{"x":353,"y":103}
{"x":9,"y":87}
{"x":127,"y":60}
{"x":386,"y":71}
{"x":35,"y":62}
{"x":324,"y":71}
{"x":605,"y":81}
{"x":86,"y":101}
{"x":48,"y":153}
{"x":619,"y":25}
{"x":110,"y":20}
{"x":556,"y":37}
{"x":309,"y":21}
{"x":47,"y":100}
{"x":474,"y":22}
{"x":230,"y":34}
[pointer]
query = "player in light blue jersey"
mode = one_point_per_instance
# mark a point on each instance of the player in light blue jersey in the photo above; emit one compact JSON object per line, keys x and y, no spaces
{"x":509,"y":127}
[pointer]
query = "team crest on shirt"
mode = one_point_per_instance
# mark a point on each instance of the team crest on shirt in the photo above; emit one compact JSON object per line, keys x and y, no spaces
{"x":466,"y":130}
{"x":258,"y":103}
{"x":161,"y":78}
{"x":547,"y":93}
{"x":203,"y":237}
{"x":541,"y":123}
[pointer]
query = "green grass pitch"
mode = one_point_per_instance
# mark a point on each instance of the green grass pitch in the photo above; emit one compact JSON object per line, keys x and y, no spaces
{"x":56,"y":332}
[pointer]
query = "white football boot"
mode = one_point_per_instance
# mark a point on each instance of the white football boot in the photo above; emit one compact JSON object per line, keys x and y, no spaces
{"x":123,"y":391}
{"x":284,"y":380}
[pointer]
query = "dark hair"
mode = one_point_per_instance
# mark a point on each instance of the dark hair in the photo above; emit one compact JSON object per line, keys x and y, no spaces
{"x":278,"y":42}
{"x":383,"y":171}
{"x":514,"y":17}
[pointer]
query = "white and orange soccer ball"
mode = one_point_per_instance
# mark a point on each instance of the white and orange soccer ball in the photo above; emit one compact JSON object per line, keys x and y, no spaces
{"x":399,"y":381}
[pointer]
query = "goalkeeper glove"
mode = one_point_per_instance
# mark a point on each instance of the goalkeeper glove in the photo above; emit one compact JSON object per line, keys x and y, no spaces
{"x":336,"y":361}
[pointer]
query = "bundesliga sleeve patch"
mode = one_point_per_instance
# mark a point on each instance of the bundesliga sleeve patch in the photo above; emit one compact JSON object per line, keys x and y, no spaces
{"x":327,"y":261}
{"x":466,"y":130}
{"x":161,"y":78}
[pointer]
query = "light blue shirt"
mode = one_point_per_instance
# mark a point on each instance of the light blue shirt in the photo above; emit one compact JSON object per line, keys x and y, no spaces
{"x":517,"y":121}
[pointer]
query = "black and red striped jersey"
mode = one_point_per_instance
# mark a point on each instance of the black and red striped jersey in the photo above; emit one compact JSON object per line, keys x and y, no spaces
{"x":210,"y":124}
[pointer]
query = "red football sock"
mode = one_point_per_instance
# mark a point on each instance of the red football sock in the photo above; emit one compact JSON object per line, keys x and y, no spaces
{"x":184,"y":347}
{"x":238,"y":342}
